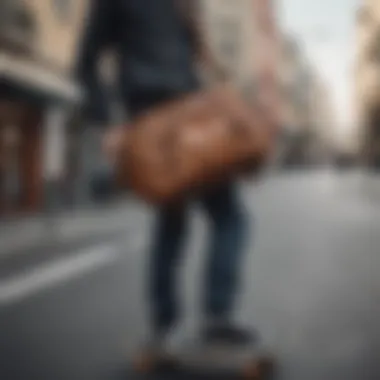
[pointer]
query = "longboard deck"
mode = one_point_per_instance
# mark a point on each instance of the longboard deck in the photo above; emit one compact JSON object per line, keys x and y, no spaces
{"x":200,"y":362}
{"x":196,"y":375}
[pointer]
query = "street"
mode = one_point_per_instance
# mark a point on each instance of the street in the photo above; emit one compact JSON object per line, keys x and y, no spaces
{"x":311,"y":287}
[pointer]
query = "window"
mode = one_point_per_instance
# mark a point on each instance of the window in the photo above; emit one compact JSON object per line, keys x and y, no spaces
{"x":62,"y":9}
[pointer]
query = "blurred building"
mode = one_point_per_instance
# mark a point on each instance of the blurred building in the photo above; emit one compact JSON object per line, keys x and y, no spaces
{"x":367,"y":78}
{"x":294,"y":110}
{"x":243,"y":37}
{"x":37,"y":48}
{"x":229,"y":28}
{"x":306,"y":108}
{"x":44,"y":30}
{"x":267,"y":54}
{"x":323,"y":123}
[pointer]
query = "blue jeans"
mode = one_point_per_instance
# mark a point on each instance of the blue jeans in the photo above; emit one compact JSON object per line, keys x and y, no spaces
{"x":229,"y":227}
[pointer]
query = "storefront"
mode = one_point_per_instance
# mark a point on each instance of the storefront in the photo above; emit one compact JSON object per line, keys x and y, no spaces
{"x":29,"y":153}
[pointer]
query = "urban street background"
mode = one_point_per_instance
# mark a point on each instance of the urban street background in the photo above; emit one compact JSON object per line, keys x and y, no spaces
{"x":73,"y":246}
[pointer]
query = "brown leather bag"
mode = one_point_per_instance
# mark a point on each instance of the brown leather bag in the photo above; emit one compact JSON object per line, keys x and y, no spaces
{"x":191,"y":143}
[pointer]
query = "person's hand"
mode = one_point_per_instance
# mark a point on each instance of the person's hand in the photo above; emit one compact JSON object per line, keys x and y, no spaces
{"x":113,"y":142}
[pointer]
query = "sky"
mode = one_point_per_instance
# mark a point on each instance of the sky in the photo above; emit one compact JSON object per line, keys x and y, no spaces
{"x":325,"y":29}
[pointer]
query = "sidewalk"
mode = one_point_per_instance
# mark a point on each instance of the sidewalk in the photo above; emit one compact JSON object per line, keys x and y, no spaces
{"x":32,"y":232}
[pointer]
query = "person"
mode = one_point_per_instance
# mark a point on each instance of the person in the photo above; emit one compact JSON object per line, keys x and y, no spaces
{"x":159,"y":43}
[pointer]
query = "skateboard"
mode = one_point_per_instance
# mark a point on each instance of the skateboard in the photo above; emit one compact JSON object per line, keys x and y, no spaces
{"x":209,"y":361}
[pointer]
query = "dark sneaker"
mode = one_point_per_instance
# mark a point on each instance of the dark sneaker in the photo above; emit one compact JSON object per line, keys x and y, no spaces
{"x":229,"y":335}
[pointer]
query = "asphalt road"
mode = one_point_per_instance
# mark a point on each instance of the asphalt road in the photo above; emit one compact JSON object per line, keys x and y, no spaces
{"x":311,"y":288}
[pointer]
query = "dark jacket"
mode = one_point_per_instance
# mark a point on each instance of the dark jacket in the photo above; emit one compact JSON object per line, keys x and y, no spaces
{"x":155,"y":52}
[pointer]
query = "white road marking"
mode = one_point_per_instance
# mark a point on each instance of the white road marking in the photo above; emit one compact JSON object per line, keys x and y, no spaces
{"x":29,"y":235}
{"x":56,"y":272}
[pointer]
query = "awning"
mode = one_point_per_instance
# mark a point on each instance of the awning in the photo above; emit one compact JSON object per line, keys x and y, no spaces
{"x":22,"y":78}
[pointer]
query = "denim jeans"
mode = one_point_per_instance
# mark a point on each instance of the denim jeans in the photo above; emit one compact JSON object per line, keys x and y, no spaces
{"x":228,"y":233}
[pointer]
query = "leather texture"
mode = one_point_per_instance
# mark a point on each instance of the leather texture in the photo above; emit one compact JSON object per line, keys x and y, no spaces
{"x":194,"y":142}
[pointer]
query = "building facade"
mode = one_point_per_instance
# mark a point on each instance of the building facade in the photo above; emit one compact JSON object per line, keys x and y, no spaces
{"x":323,"y":122}
{"x":306,"y":108}
{"x":243,"y":37}
{"x":367,"y":81}
{"x":267,"y":54}
{"x":294,"y":84}
{"x":229,"y":31}
{"x":37,"y":48}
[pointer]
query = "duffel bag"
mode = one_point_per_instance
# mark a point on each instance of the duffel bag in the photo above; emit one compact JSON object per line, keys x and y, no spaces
{"x":191,"y":143}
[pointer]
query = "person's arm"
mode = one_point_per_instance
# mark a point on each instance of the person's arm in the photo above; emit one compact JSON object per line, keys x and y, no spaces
{"x":192,"y":14}
{"x":97,"y":36}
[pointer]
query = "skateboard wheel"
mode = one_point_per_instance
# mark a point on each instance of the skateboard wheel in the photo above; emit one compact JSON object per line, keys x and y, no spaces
{"x":260,"y":369}
{"x":144,"y":363}
{"x":252,"y":371}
